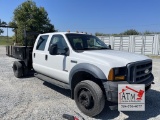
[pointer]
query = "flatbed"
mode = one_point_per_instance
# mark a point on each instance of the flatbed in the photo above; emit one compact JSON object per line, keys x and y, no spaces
{"x":21,"y":53}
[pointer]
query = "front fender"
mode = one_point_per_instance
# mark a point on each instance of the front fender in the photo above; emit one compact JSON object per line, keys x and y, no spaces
{"x":89,"y":68}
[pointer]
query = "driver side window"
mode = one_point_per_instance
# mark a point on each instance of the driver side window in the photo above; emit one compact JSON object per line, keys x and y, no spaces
{"x":60,"y":42}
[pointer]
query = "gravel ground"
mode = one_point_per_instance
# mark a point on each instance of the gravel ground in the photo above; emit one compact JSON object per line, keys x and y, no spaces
{"x":33,"y":99}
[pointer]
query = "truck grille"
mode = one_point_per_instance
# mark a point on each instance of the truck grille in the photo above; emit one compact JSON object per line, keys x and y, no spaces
{"x":139,"y":71}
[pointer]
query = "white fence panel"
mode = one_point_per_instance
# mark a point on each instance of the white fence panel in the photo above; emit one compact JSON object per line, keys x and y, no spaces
{"x":125,"y":43}
{"x":158,"y":45}
{"x":138,"y":44}
{"x":141,"y":44}
{"x":148,"y":45}
{"x":117,"y":43}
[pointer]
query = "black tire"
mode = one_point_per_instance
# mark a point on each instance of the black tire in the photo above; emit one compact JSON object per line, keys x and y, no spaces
{"x":89,"y":98}
{"x":18,"y":69}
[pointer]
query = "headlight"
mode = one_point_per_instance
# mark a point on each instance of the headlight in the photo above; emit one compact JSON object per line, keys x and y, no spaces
{"x":117,"y":73}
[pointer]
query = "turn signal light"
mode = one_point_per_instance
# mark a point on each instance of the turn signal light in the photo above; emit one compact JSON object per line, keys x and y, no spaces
{"x":119,"y":78}
{"x":111,"y":75}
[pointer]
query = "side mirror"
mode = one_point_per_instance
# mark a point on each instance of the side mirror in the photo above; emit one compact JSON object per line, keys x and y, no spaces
{"x":109,"y":46}
{"x":66,"y":51}
{"x":53,"y":49}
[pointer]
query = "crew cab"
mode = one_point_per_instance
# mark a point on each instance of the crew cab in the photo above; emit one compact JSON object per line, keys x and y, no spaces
{"x":87,"y":66}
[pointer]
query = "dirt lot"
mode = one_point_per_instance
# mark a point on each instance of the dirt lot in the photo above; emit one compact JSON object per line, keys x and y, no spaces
{"x":33,"y":99}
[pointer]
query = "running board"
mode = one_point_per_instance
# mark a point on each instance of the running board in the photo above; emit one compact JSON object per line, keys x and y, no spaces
{"x":52,"y":81}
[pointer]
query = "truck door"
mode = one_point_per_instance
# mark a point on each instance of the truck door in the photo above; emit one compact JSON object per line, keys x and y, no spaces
{"x":56,"y":64}
{"x":38,"y":54}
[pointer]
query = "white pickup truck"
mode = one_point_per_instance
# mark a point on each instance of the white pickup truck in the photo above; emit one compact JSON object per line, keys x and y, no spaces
{"x":87,"y":66}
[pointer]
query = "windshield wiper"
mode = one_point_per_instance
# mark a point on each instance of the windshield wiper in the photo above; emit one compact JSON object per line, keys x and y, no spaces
{"x":98,"y":48}
{"x":89,"y":48}
{"x":102,"y":48}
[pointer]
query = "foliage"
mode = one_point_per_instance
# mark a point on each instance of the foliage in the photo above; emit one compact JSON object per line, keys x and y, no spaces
{"x":1,"y":31}
{"x":28,"y":17}
{"x":13,"y":24}
{"x":101,"y":34}
{"x":127,"y":32}
{"x":2,"y":24}
{"x":149,"y":32}
{"x":130,"y":32}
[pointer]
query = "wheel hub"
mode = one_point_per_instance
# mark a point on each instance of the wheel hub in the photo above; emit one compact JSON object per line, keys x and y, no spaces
{"x":14,"y":67}
{"x":85,"y":98}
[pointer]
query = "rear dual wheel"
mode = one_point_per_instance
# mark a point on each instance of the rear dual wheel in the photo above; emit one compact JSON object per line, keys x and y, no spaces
{"x":89,"y":98}
{"x":19,"y":69}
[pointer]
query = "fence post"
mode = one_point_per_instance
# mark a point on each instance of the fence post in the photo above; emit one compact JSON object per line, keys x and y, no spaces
{"x":132,"y":43}
{"x":156,"y":45}
{"x":121,"y":43}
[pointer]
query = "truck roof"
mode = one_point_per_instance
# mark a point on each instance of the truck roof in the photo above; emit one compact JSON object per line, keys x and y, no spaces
{"x":61,"y":33}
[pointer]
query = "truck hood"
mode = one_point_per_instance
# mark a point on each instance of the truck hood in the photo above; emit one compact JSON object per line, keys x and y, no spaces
{"x":113,"y":57}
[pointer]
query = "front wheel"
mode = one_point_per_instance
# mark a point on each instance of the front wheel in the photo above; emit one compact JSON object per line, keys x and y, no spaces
{"x":89,"y":97}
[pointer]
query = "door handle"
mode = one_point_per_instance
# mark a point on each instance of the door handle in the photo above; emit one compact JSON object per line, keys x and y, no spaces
{"x":46,"y":57}
{"x":34,"y":55}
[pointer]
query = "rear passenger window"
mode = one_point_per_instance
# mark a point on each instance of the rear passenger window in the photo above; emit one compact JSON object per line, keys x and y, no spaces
{"x":42,"y":42}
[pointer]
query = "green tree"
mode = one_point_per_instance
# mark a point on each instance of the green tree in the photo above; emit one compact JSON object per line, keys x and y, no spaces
{"x":130,"y":32}
{"x":28,"y":17}
{"x":2,"y":24}
{"x":148,"y":32}
{"x":1,"y":31}
{"x":101,"y":34}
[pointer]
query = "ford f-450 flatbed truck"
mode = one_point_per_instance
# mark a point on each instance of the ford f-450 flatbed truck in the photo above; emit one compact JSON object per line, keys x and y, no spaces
{"x":85,"y":65}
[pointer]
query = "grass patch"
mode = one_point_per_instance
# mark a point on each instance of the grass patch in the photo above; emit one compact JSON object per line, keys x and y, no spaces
{"x":5,"y":41}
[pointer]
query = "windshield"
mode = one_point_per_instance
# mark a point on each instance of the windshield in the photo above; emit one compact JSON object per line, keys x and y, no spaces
{"x":85,"y":42}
